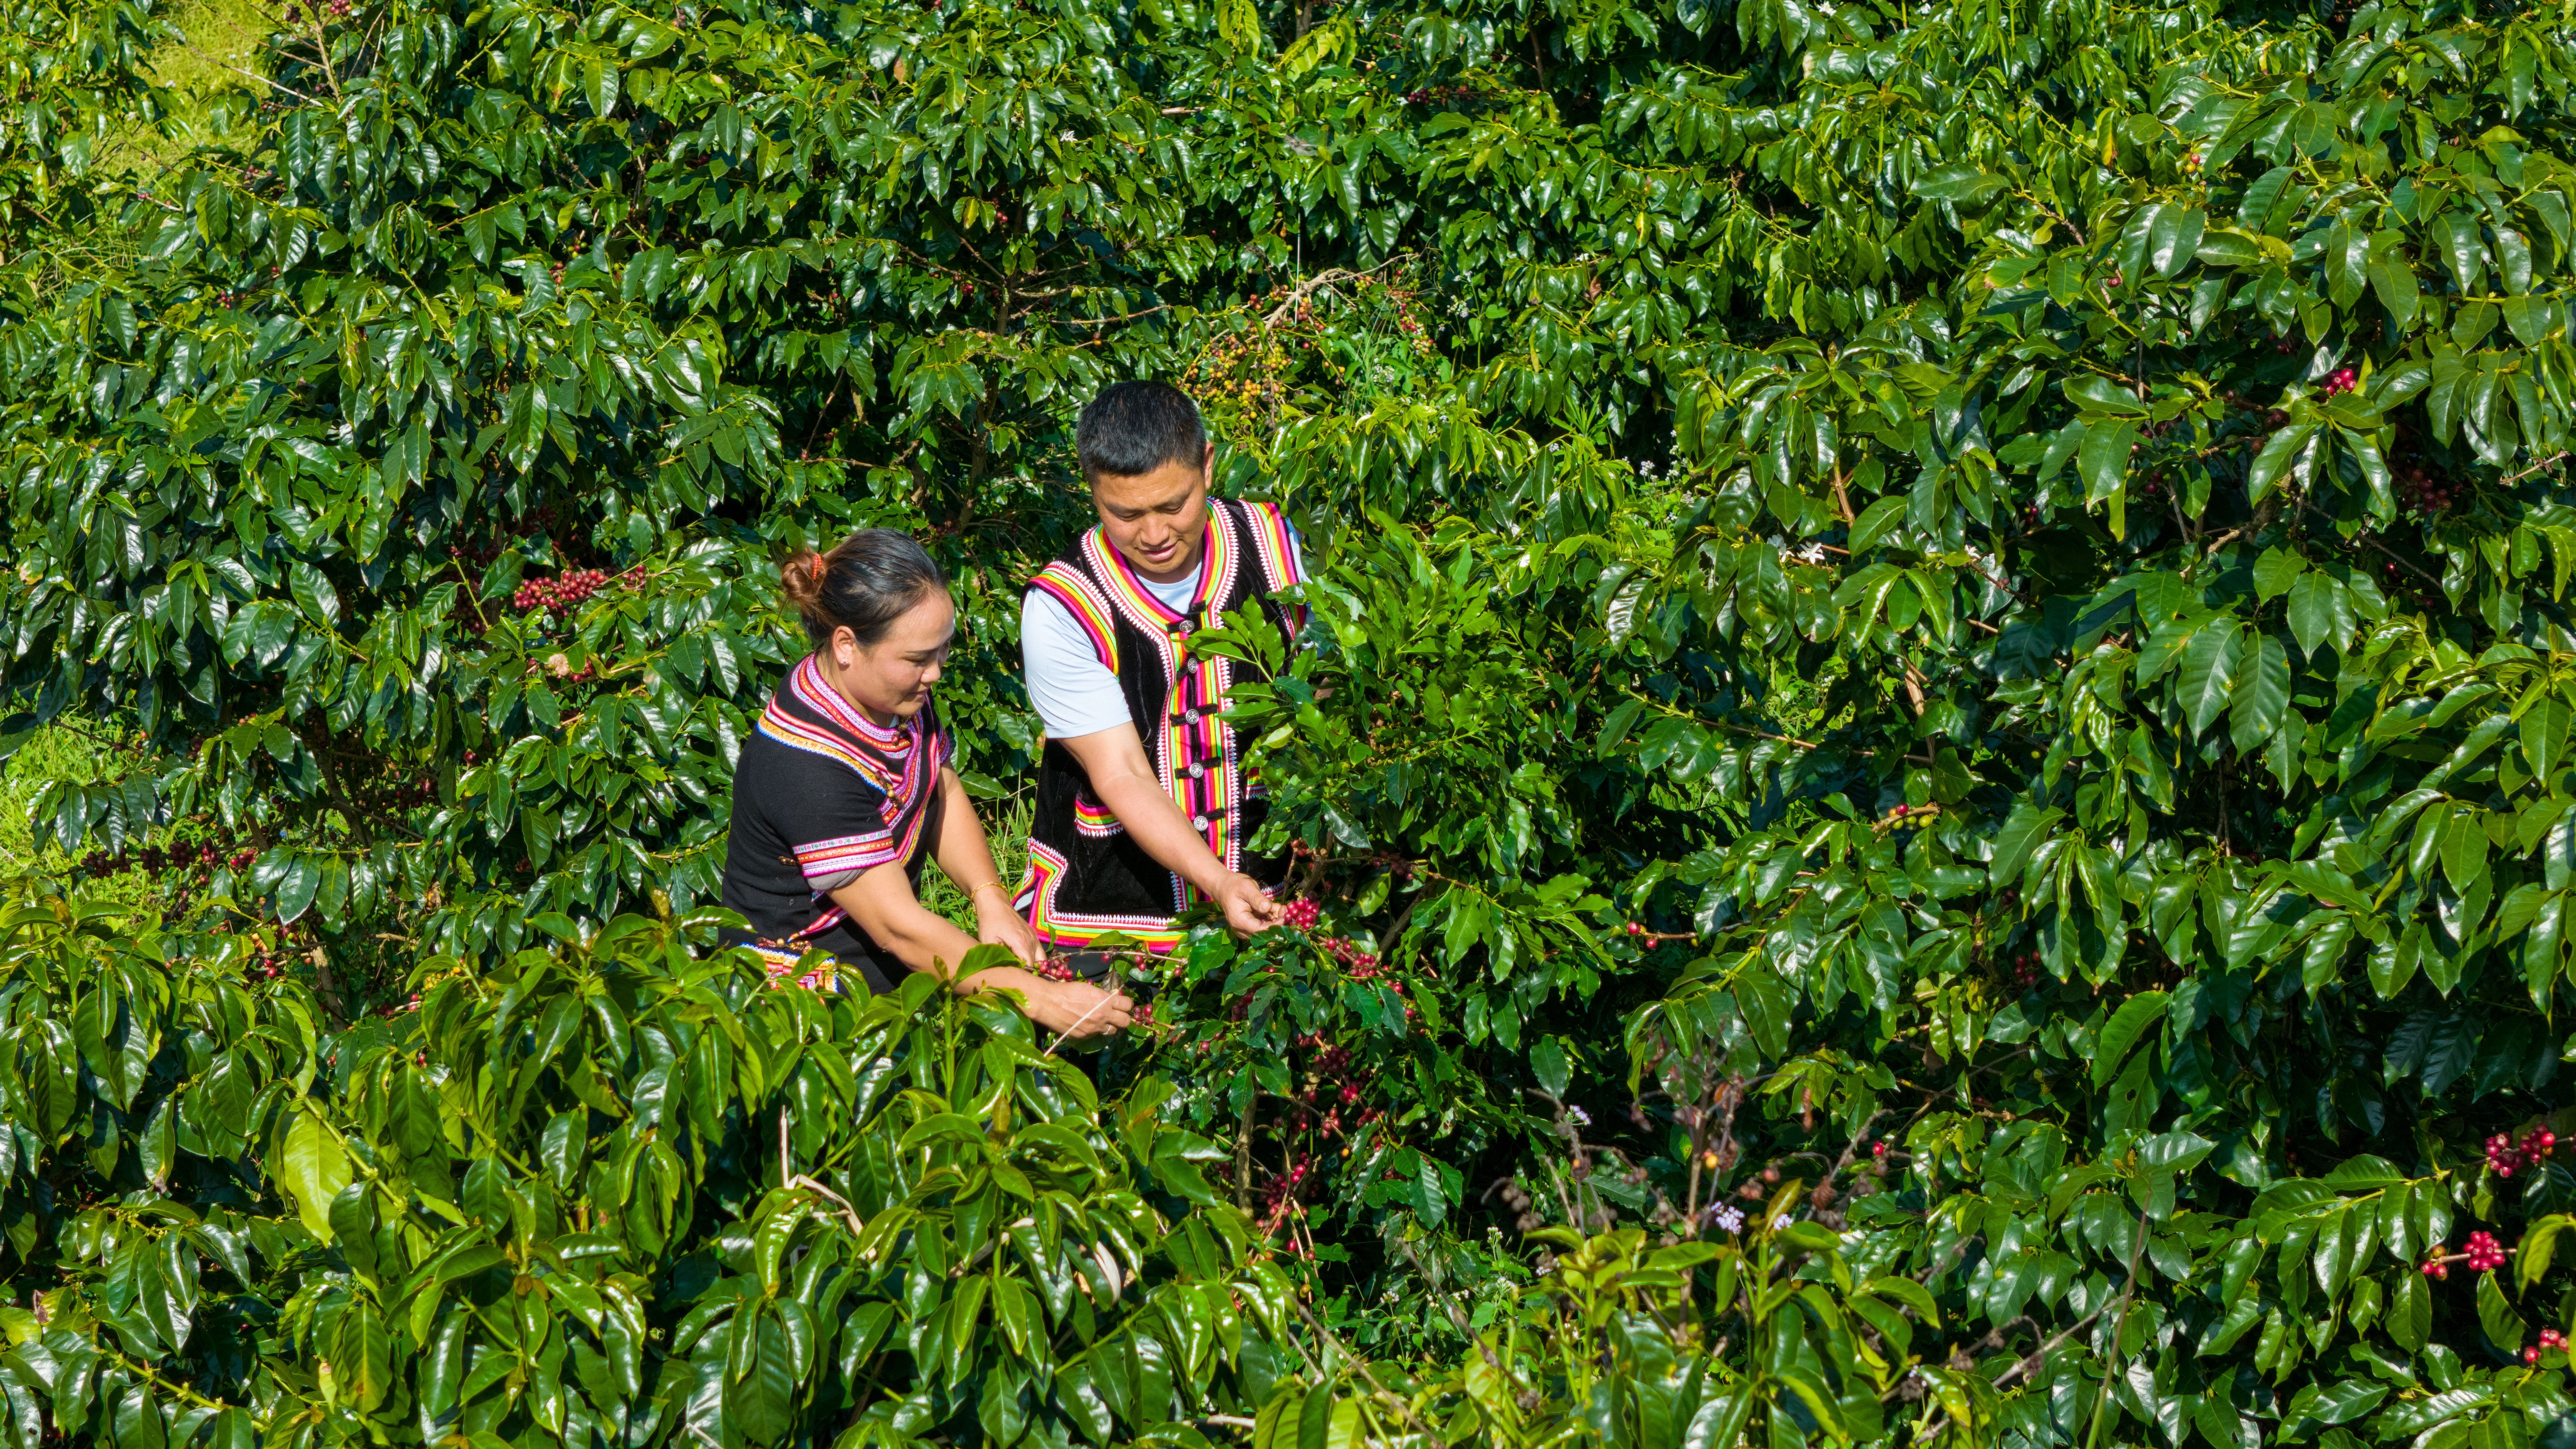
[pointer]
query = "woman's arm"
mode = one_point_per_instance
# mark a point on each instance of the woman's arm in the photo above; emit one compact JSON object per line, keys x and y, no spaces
{"x":1125,"y":781}
{"x":966,"y":857}
{"x":882,"y":902}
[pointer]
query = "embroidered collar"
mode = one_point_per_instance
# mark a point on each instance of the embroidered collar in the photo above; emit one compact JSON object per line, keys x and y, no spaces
{"x":1216,"y":575}
{"x":808,"y":714}
{"x":817,"y":694}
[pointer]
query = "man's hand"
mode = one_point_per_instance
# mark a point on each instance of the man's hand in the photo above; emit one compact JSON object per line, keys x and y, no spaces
{"x":1080,"y":1010}
{"x":996,"y":924}
{"x":1248,"y":908}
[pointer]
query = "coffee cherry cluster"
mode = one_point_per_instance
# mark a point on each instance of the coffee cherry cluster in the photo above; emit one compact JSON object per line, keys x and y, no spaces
{"x":1525,"y":1208}
{"x":2505,"y":1154}
{"x":1053,"y":968}
{"x":2425,"y":491}
{"x":2342,"y":380}
{"x":1285,"y":1191}
{"x":559,"y":595}
{"x":537,"y":520}
{"x":2485,"y":1253}
{"x":1301,"y":913}
{"x":1329,"y":1089}
{"x":408,"y":794}
{"x":153,"y":859}
{"x":2026,"y":972}
{"x":1331,"y":1058}
{"x":1361,"y":964}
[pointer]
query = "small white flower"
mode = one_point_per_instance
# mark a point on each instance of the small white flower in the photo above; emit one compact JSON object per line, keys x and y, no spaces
{"x":1779,"y":1222}
{"x":1581,"y":1117}
{"x":1065,"y":136}
{"x":1727,"y":1217}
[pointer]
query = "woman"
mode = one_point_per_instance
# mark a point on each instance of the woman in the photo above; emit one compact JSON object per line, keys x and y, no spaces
{"x":846,"y":788}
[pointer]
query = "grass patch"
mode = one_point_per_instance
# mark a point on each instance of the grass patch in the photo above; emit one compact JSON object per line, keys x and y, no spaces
{"x":207,"y":71}
{"x":1006,"y":829}
{"x":78,"y":752}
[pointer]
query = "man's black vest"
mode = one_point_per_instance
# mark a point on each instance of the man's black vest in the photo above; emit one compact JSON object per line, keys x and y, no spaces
{"x":1087,"y":877}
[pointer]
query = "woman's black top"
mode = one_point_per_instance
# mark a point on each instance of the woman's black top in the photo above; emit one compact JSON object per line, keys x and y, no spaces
{"x":819,"y":795}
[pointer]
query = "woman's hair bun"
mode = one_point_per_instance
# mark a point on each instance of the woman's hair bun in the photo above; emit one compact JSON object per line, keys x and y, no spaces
{"x":864,"y":584}
{"x":802,"y":577}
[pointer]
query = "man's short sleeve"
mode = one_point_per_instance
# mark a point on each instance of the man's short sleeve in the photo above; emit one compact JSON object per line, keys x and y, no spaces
{"x":1075,"y":693}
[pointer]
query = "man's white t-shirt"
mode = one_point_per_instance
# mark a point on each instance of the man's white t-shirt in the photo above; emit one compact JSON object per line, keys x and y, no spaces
{"x":1074,"y":692}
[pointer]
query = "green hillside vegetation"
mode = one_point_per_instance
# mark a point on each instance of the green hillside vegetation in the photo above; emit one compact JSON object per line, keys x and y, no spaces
{"x":1932,"y":751}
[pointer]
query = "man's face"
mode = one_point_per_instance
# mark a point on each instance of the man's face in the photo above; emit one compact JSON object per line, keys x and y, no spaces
{"x":1157,"y":521}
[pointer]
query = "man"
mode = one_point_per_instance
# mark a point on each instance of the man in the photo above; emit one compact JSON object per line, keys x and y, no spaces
{"x":1143,"y":809}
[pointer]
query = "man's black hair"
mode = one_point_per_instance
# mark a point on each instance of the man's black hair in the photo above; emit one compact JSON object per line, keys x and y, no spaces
{"x":1137,"y":427}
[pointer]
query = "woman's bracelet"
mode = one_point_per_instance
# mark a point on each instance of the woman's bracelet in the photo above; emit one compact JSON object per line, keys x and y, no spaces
{"x":986,"y":886}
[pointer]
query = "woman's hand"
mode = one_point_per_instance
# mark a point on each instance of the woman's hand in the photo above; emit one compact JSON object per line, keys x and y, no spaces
{"x":1078,"y":1009}
{"x":996,"y":924}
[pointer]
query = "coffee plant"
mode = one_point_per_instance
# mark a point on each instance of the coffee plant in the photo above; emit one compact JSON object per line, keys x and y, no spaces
{"x":609,"y":1190}
{"x":1929,"y":777}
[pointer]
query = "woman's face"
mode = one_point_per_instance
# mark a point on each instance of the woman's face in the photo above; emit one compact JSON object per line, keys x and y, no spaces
{"x":891,"y":678}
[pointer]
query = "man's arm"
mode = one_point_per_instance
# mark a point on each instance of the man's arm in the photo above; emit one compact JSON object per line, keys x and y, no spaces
{"x":1125,"y":781}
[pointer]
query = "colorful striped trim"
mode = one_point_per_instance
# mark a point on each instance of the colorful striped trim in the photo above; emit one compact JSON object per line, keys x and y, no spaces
{"x":848,"y":853}
{"x":1077,"y":932}
{"x":1209,"y":798}
{"x":1062,"y":583}
{"x":817,"y":694}
{"x":1270,"y":540}
{"x":781,"y":965}
{"x":798,"y":735}
{"x":1093,"y":818}
{"x":900,"y":762}
{"x":1217,"y":565}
